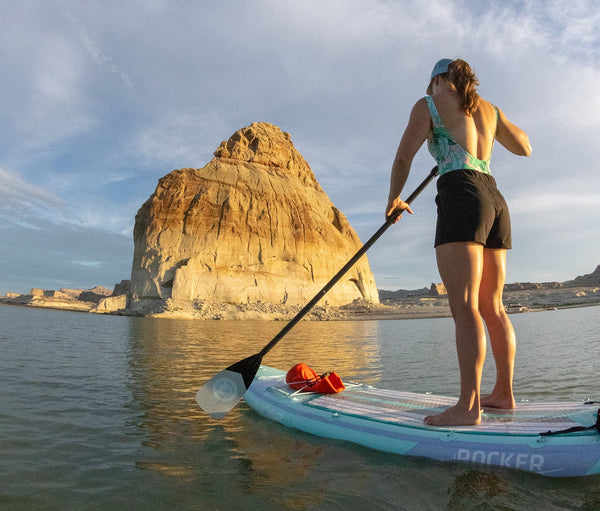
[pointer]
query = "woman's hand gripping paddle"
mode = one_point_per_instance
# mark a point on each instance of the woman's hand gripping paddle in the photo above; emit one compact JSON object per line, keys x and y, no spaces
{"x":223,"y":391}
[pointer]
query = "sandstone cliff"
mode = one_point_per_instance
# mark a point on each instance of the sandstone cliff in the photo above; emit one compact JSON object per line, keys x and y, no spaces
{"x":253,"y":225}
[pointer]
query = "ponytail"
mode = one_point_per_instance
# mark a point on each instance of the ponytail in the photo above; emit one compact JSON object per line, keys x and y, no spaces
{"x":465,"y":81}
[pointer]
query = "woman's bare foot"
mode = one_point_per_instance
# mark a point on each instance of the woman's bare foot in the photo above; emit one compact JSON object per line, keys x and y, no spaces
{"x":496,"y":401}
{"x":454,"y":416}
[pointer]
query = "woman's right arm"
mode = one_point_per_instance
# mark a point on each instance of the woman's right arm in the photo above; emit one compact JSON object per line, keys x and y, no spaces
{"x":512,"y":137}
{"x":414,"y":135}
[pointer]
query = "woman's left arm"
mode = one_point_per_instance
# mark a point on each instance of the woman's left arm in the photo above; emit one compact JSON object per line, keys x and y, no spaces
{"x":512,"y":137}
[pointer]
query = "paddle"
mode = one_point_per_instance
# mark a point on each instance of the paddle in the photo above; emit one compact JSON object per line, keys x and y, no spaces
{"x":223,"y":391}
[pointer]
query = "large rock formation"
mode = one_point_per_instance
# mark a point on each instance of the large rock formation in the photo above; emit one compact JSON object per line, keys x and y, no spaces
{"x":252,"y":225}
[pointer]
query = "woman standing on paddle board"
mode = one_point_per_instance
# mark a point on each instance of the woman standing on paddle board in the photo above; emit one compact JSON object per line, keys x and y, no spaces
{"x":473,"y":226}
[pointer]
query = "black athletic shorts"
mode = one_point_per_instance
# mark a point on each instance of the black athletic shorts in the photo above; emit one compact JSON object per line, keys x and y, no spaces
{"x":471,"y":208}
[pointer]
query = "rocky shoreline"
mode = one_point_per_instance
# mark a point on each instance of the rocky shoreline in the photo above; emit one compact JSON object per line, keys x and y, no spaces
{"x":405,"y":305}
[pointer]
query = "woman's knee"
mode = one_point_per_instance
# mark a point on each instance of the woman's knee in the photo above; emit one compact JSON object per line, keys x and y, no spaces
{"x":465,"y":311}
{"x":491,"y":311}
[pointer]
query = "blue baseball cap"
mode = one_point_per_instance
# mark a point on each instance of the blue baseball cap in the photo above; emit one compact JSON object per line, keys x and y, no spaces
{"x":441,"y":66}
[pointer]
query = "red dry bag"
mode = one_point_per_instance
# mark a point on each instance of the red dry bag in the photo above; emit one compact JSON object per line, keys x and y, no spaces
{"x":301,"y":377}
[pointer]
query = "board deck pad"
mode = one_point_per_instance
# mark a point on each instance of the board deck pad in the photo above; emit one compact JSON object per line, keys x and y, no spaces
{"x":409,"y":408}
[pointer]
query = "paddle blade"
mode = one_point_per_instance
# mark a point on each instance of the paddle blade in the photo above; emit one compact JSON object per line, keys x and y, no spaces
{"x":224,"y":390}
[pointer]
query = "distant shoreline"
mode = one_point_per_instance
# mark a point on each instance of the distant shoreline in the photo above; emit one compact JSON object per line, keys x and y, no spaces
{"x":410,"y":307}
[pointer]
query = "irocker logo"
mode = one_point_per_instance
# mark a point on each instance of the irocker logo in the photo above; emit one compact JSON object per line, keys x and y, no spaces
{"x":532,"y":462}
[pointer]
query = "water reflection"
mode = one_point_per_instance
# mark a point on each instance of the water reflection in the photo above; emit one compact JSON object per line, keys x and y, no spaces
{"x":186,"y":353}
{"x":169,"y":360}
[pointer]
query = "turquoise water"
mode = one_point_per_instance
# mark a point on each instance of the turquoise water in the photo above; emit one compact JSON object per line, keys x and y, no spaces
{"x":98,"y":412}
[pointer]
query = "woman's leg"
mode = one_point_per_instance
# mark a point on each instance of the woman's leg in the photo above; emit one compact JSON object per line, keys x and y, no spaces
{"x":500,"y":329}
{"x":461,"y":267}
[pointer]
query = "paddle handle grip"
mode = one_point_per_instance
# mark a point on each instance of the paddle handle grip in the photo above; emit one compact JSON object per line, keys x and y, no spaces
{"x":389,"y":221}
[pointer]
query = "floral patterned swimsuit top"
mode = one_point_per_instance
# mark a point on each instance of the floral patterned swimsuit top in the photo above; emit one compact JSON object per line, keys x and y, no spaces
{"x":448,"y":154}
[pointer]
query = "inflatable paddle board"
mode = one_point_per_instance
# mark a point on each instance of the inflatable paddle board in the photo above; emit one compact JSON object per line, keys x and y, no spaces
{"x":392,"y":421}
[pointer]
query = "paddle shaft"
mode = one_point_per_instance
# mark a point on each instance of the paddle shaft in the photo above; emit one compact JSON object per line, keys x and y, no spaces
{"x":389,"y":221}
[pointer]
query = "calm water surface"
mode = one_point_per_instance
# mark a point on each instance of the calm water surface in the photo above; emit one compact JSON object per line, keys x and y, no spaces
{"x":98,"y":412}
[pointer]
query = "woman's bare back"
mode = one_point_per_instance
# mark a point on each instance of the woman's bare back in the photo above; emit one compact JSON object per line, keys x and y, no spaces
{"x":475,"y":134}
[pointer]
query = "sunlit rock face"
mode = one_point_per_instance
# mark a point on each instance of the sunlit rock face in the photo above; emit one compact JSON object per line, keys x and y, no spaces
{"x":252,"y":225}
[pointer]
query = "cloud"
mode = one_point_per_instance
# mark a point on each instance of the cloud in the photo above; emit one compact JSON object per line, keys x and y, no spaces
{"x":107,"y":98}
{"x":22,"y":202}
{"x":185,"y":139}
{"x":557,"y":202}
{"x":94,"y":50}
{"x":14,"y":188}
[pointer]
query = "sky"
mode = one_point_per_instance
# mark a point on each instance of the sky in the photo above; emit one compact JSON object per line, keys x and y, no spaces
{"x":100,"y":99}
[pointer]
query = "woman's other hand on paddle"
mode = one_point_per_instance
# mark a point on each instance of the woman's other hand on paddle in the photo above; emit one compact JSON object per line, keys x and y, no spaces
{"x":397,"y":204}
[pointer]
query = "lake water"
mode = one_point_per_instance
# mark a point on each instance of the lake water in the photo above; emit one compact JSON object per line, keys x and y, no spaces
{"x":98,"y":412}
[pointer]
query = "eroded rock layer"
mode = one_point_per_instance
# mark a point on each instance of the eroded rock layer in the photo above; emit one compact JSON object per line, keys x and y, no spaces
{"x":253,"y":225}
